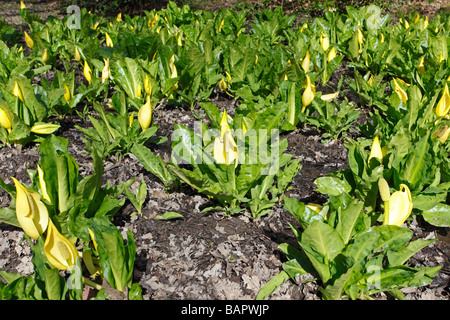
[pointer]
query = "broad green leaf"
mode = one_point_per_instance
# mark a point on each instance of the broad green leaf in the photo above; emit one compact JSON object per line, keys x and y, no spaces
{"x":332,"y":186}
{"x":321,"y":243}
{"x":8,"y":216}
{"x":438,"y":216}
{"x":153,"y":163}
{"x":347,"y":219}
{"x":397,"y":258}
{"x":54,"y":284}
{"x":418,"y":162}
{"x":304,"y":215}
{"x":60,"y":171}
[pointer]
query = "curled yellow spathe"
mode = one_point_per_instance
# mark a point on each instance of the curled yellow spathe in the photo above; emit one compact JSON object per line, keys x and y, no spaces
{"x":109,"y":41}
{"x":60,"y":251}
{"x":4,"y":120}
{"x":360,"y":37}
{"x":106,"y":72}
{"x":308,"y":94}
{"x":331,"y":54}
{"x":225,"y":149}
{"x":145,"y":115}
{"x":330,"y":97}
{"x":77,"y":55}
{"x":375,"y":151}
{"x":18,"y":92}
{"x":421,"y":66}
{"x":324,"y":41}
{"x":31,"y":212}
{"x":28,"y":40}
{"x":45,"y":56}
{"x":22,"y":5}
{"x":400,"y":92}
{"x":87,"y":72}
{"x":399,"y":207}
{"x":441,"y":134}
{"x":147,"y":85}
{"x":42,"y":184}
{"x":67,"y":95}
{"x":224,"y":127}
{"x":443,"y":105}
{"x":223,"y":85}
{"x":306,"y":61}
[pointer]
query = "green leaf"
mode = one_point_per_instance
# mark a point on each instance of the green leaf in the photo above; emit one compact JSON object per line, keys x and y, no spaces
{"x":332,"y":186}
{"x":438,"y":216}
{"x":153,"y":163}
{"x":115,"y":258}
{"x":54,"y":284}
{"x":127,"y":74}
{"x":272,"y":285}
{"x":60,"y":170}
{"x":321,"y":243}
{"x":347,"y":219}
{"x":417,"y":164}
{"x":397,"y":258}
{"x":304,"y":215}
{"x":169,"y":215}
{"x":8,"y":216}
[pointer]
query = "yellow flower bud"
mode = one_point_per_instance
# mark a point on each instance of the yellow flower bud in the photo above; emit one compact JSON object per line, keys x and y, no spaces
{"x":138,"y":90}
{"x":324,"y":41}
{"x":330,"y":97}
{"x":401,"y":93}
{"x":375,"y":151}
{"x":44,"y":128}
{"x":223,"y":84}
{"x":45,"y":56}
{"x":225,"y":149}
{"x":441,"y":134}
{"x":77,"y":55}
{"x":17,"y":91}
{"x":106,"y":72}
{"x":67,"y":95}
{"x":4,"y":120}
{"x":331,"y":54}
{"x":383,"y":187}
{"x":399,"y":207}
{"x":308,"y":94}
{"x":28,"y":40}
{"x":145,"y":115}
{"x":443,"y":105}
{"x":421,"y":66}
{"x":109,"y":41}
{"x":360,"y":37}
{"x":147,"y":85}
{"x":42,"y":184}
{"x":22,"y":5}
{"x":87,"y":72}
{"x":371,"y":80}
{"x":306,"y":61}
